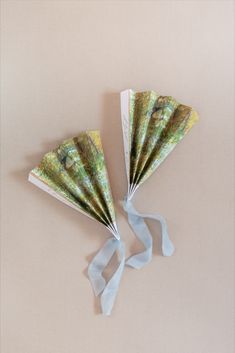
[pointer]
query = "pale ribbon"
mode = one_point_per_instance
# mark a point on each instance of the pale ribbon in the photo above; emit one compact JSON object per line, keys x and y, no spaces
{"x":141,"y":230}
{"x":107,"y":291}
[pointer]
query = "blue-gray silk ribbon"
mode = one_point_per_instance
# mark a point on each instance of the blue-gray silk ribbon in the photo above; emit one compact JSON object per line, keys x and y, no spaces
{"x":107,"y":291}
{"x":141,"y":230}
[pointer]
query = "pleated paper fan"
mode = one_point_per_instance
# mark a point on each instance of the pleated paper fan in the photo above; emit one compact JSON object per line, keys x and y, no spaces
{"x":152,"y":126}
{"x":75,"y":173}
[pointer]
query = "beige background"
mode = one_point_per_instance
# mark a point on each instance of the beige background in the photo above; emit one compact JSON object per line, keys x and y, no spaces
{"x":64,"y":64}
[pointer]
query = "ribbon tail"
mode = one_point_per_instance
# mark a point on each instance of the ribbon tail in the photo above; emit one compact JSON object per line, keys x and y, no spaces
{"x":141,"y":230}
{"x":98,"y":264}
{"x":167,"y":245}
{"x":95,"y":273}
{"x":109,"y":294}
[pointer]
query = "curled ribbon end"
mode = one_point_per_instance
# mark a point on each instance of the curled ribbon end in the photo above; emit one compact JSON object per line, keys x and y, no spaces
{"x":168,"y":250}
{"x":106,"y":312}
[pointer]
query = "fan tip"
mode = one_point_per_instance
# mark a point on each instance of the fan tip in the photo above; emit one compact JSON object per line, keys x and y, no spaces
{"x":30,"y":177}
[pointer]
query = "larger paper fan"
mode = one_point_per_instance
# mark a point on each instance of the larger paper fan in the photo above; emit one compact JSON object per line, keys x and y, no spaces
{"x":152,"y":126}
{"x":75,"y":173}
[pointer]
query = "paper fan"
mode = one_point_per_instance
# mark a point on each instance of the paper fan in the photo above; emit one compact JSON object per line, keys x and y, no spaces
{"x":75,"y":173}
{"x":152,"y":126}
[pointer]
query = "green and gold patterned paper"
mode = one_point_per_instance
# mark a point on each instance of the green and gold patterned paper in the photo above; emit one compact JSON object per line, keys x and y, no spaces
{"x":75,"y":173}
{"x":152,"y":126}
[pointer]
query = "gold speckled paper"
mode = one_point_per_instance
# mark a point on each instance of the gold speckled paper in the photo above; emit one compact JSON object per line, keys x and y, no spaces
{"x":75,"y":172}
{"x":156,"y":125}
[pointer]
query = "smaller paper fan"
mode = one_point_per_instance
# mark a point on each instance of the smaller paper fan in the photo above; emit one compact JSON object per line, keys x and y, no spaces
{"x":75,"y":173}
{"x":152,"y":126}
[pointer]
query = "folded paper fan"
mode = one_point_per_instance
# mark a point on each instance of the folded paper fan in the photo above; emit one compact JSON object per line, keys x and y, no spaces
{"x":152,"y":126}
{"x":75,"y":173}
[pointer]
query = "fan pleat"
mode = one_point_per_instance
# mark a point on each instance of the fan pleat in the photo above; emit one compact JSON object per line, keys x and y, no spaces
{"x":144,"y":103}
{"x":70,"y":157}
{"x":96,"y":172}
